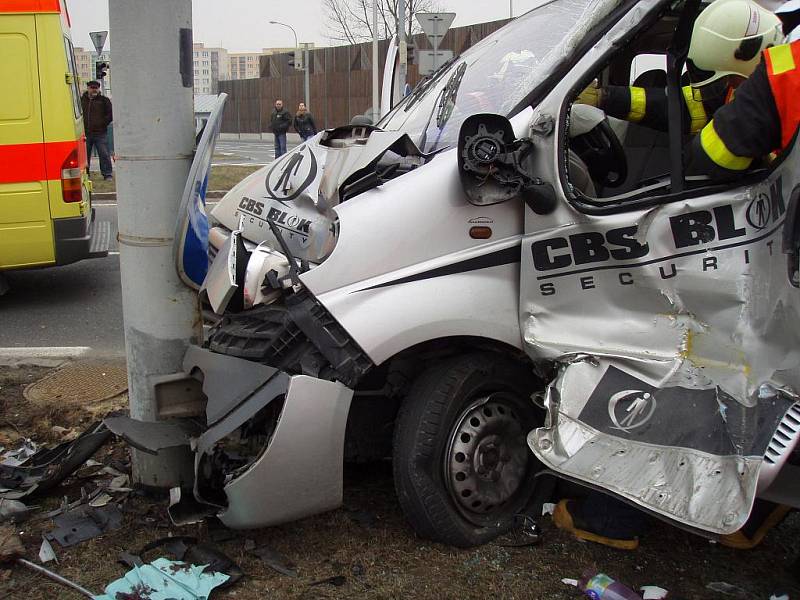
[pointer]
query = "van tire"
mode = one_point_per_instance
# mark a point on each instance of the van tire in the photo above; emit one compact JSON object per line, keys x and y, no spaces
{"x":429,"y":418}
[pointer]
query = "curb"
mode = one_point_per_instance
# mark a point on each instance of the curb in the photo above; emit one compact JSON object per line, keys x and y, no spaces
{"x":49,"y":357}
{"x":103,"y":197}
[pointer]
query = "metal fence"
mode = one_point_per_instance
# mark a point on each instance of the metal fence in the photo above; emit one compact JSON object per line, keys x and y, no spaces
{"x":340,"y":81}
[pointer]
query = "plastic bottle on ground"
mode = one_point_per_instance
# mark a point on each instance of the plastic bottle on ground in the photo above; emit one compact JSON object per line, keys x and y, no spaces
{"x":599,"y":586}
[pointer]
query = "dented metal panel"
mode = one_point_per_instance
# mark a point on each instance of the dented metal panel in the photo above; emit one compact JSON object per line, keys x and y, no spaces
{"x":291,"y":480}
{"x":693,"y":332}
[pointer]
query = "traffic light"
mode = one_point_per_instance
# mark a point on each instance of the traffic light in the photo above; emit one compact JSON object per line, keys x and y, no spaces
{"x":101,"y":70}
{"x":296,"y":59}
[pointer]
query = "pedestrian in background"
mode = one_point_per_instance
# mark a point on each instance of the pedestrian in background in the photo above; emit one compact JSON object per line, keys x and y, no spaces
{"x":279,"y":123}
{"x":304,"y":122}
{"x":97,"y":116}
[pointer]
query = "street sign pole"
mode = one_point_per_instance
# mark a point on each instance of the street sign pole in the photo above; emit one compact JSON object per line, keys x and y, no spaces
{"x":402,"y":72}
{"x":376,"y":111}
{"x":306,"y":78}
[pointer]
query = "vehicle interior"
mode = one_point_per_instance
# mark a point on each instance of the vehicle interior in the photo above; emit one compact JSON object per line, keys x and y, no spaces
{"x":612,"y":158}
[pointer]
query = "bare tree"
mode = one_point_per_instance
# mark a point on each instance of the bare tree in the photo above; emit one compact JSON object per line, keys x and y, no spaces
{"x":350,"y":21}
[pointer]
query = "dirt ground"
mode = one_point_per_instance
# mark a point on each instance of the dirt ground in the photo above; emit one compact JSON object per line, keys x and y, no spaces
{"x":368,"y":542}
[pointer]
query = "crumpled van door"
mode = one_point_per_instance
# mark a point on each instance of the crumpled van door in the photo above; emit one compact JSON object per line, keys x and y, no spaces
{"x":677,"y":332}
{"x":26,"y":236}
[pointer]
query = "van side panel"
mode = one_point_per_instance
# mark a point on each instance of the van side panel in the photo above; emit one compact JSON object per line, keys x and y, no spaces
{"x":26,"y":233}
{"x":62,"y":119}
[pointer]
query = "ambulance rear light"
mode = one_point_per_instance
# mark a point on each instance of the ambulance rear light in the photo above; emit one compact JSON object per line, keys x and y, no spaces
{"x":71,"y":178}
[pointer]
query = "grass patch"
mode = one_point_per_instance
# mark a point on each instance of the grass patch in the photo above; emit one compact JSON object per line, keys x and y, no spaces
{"x":223,"y":178}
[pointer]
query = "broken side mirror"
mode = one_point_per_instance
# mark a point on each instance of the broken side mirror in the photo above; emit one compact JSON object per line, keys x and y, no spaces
{"x":493,"y":165}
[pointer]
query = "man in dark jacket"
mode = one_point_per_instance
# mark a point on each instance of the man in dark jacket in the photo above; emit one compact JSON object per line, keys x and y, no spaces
{"x":97,"y":116}
{"x":279,"y":123}
{"x":304,"y":123}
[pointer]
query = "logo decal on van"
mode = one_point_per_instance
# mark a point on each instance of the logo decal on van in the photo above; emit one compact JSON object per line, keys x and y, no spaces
{"x":291,"y":174}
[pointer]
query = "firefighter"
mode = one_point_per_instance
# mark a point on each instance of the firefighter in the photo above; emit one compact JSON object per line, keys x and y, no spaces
{"x":725,"y":48}
{"x":763,"y":116}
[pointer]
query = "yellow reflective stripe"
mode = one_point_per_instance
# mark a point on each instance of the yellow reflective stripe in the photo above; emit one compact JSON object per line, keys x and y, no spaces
{"x":717,"y":151}
{"x":781,"y":59}
{"x":638,"y":104}
{"x":697,"y":112}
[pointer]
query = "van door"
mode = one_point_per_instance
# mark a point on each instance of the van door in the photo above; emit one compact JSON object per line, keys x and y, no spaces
{"x":672,"y":320}
{"x":26,"y":236}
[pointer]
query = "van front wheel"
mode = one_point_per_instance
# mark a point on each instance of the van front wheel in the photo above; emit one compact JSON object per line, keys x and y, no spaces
{"x":462,"y":467}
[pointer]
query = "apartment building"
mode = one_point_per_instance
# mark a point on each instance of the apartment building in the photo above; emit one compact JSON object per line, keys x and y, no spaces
{"x":210,"y":65}
{"x":245,"y":65}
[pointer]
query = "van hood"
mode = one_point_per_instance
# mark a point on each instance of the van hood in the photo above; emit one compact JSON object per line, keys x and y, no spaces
{"x":299,"y":190}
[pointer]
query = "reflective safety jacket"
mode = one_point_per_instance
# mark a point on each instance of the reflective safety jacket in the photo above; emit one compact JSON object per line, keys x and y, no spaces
{"x":648,"y":106}
{"x":761,"y":119}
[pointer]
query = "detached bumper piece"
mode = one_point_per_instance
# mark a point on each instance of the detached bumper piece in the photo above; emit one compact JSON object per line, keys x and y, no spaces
{"x":268,"y":446}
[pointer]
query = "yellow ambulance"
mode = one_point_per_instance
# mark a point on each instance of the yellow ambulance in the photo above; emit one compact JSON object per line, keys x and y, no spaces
{"x":46,"y":216}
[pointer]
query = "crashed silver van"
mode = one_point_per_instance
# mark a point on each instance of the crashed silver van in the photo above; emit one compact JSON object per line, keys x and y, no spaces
{"x":495,"y":280}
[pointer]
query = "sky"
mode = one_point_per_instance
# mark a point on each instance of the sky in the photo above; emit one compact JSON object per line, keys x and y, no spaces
{"x":243,"y":25}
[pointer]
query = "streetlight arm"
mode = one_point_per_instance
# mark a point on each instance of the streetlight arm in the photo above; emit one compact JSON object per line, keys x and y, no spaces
{"x":296,"y":45}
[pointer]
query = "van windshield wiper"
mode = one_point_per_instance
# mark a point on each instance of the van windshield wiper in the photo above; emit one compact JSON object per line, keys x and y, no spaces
{"x":448,"y":100}
{"x":424,"y":85}
{"x":446,"y":96}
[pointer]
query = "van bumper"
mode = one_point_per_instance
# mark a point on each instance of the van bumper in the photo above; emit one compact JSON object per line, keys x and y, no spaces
{"x":77,"y":238}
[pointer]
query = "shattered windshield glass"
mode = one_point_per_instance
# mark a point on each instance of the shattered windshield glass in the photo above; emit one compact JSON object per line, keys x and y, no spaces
{"x":496,"y":74}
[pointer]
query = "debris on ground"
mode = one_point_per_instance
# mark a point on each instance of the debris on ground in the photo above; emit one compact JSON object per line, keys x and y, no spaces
{"x":525,"y":531}
{"x":164,"y":578}
{"x":188,"y":550}
{"x":46,"y":552}
{"x":13,"y":510}
{"x":48,"y":467}
{"x":84,"y":523}
{"x":275,"y":560}
{"x":55,"y":577}
{"x":653,"y":592}
{"x":727,"y":589}
{"x":599,"y":586}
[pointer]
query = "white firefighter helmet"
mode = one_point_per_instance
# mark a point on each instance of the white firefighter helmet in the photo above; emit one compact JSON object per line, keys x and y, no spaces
{"x":728,"y":38}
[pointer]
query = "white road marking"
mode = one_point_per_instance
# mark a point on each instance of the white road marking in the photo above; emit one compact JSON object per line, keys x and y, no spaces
{"x":44,"y":352}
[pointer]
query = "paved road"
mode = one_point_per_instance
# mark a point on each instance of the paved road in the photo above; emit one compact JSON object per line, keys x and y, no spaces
{"x":75,"y":305}
{"x":251,"y":152}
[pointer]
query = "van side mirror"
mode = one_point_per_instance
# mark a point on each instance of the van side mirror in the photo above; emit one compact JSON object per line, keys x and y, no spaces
{"x":492,"y":165}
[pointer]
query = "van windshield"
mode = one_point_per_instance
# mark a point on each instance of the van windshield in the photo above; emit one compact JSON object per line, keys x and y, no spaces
{"x":496,"y":74}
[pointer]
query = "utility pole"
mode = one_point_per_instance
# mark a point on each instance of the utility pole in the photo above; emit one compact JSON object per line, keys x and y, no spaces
{"x":376,"y":101}
{"x":154,"y":131}
{"x":510,"y":9}
{"x":402,"y":72}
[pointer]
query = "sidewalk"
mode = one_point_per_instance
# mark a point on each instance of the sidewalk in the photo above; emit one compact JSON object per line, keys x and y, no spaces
{"x":291,"y":138}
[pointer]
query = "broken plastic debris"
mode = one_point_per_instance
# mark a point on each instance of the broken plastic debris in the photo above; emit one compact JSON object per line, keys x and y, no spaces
{"x":84,"y":523}
{"x":13,"y":510}
{"x":50,"y":466}
{"x":276,"y":561}
{"x":653,"y":592}
{"x":14,"y":458}
{"x":46,"y":552}
{"x":568,"y":581}
{"x":165,"y":578}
